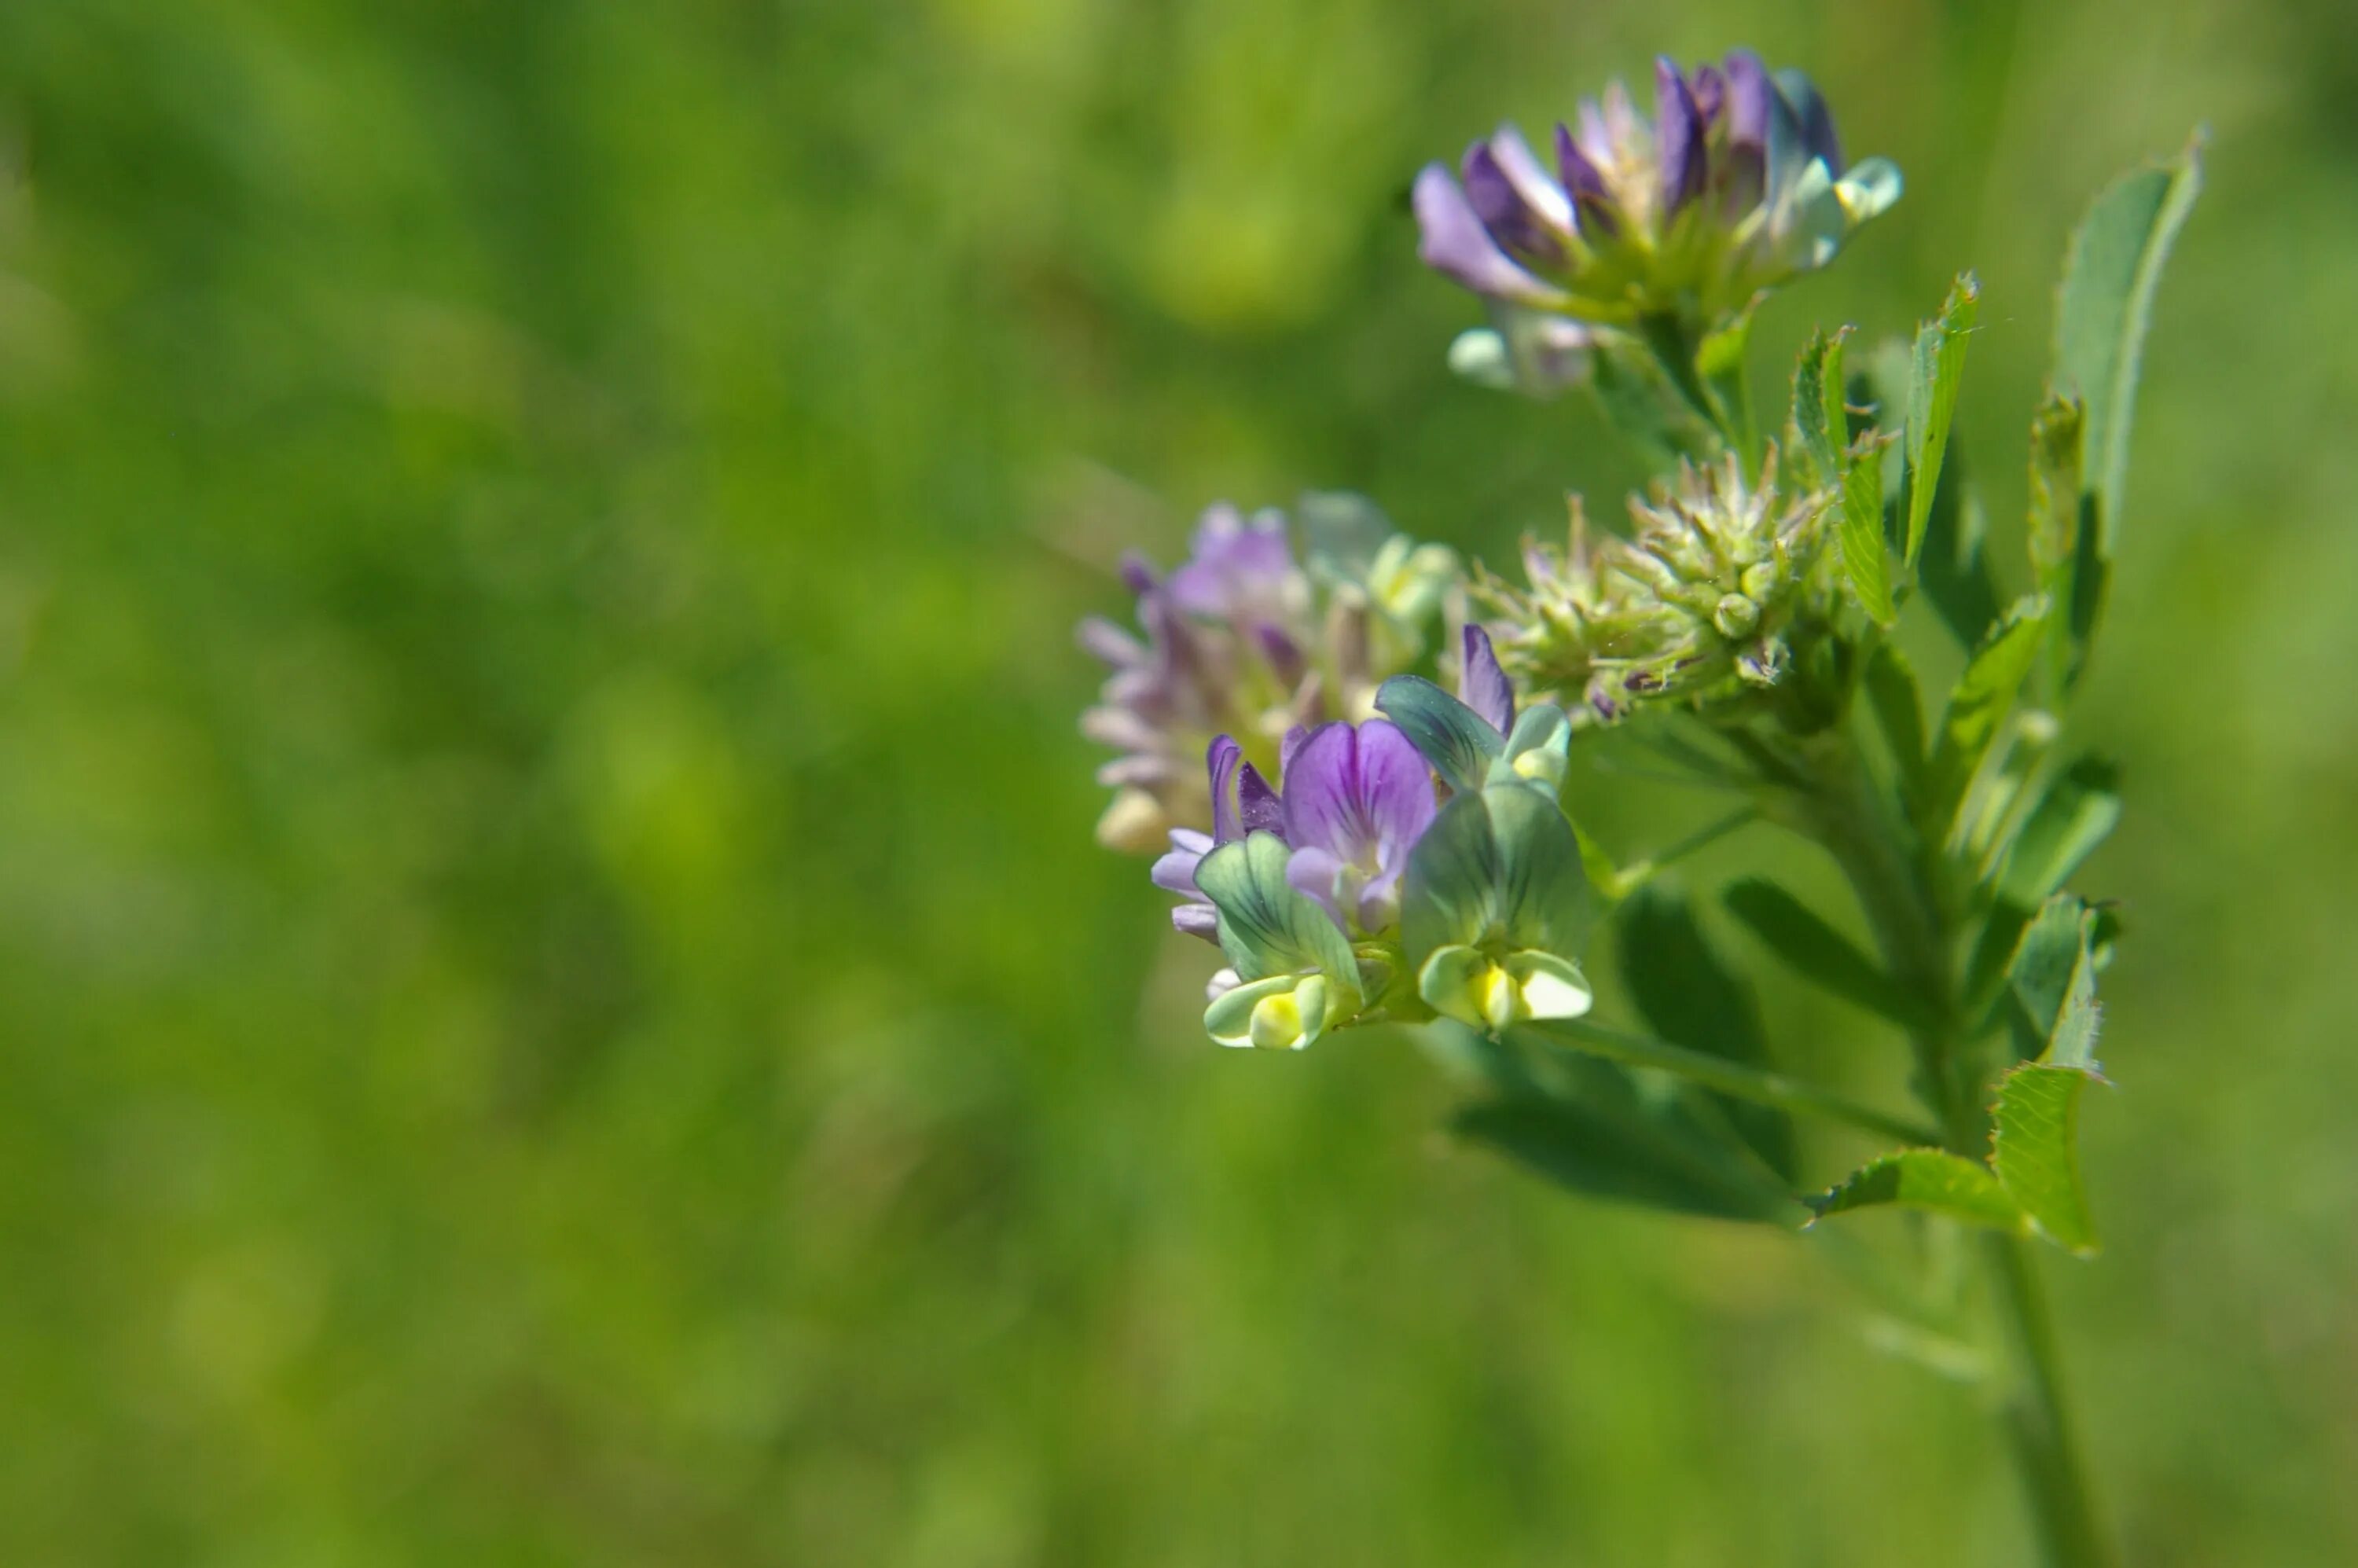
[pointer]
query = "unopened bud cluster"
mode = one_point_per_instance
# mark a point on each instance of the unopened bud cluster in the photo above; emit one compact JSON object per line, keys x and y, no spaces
{"x":1701,"y":604}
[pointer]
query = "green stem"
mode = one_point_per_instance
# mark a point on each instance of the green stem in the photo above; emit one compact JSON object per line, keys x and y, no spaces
{"x":1758,"y":1084}
{"x":1895,"y":881}
{"x":2038,"y":1428}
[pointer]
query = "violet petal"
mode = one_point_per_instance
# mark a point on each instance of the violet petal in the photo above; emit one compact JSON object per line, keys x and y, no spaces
{"x":1678,"y":139}
{"x":1482,"y":686}
{"x":1455,"y":244}
{"x":1592,"y":201}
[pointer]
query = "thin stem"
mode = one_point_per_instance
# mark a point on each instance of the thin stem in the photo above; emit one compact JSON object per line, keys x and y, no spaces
{"x":1632,"y":877}
{"x":2046,"y":1451}
{"x":1758,"y":1084}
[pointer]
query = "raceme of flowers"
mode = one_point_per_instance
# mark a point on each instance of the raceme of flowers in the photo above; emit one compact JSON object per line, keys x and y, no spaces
{"x":1734,"y":185}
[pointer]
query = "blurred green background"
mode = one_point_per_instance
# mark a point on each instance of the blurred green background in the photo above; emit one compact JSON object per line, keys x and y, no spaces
{"x":559,"y":1005}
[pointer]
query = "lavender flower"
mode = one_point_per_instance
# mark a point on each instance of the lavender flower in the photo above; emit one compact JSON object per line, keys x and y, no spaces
{"x":1243,"y":640}
{"x":1357,"y":799}
{"x":1734,"y":185}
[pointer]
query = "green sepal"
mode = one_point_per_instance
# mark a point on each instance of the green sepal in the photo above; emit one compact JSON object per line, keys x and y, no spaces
{"x":1457,"y":741}
{"x":1537,"y":752}
{"x":1267,"y":926}
{"x":2036,"y":1149}
{"x":1929,"y":1179}
{"x":1936,"y":366}
{"x":1798,"y":934}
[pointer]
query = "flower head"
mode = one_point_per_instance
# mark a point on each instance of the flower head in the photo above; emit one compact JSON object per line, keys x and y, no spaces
{"x":1698,"y":604}
{"x":1245,"y":640}
{"x":1735,"y":184}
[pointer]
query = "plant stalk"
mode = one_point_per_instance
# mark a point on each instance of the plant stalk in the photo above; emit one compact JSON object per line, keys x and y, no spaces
{"x":1895,"y":880}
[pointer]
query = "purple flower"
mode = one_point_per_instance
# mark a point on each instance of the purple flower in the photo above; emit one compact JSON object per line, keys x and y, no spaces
{"x":1357,"y":799}
{"x":1737,"y":183}
{"x":1245,"y":640}
{"x":1242,"y":802}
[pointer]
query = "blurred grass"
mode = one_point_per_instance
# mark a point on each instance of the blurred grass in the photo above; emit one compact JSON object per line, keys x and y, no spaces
{"x":560,"y":1004}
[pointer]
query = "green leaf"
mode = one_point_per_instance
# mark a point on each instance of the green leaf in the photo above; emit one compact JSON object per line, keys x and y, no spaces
{"x":1267,"y":926}
{"x":1795,"y":933}
{"x":2058,"y":444}
{"x":1952,"y":571}
{"x":1930,"y":1179}
{"x":1860,"y":532}
{"x":2078,"y":811}
{"x":1818,"y":417}
{"x":1892,"y":693}
{"x":1607,"y":1132}
{"x":1457,"y":741}
{"x":2061,"y":529}
{"x":1939,"y":363}
{"x":2052,"y":982}
{"x":2037,"y":1150}
{"x":1691,"y":998}
{"x":2104,"y":305}
{"x":1984,"y":694}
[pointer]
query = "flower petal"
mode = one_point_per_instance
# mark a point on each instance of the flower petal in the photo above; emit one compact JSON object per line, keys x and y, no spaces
{"x":1592,"y":198}
{"x":1321,"y":791}
{"x":1678,"y":139}
{"x":1482,"y":686}
{"x":1395,"y":792}
{"x":1502,"y":210}
{"x":1455,"y":244}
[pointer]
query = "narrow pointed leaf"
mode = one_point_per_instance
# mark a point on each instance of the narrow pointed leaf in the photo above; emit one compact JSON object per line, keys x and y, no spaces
{"x":1602,"y":1130}
{"x":1457,"y":741}
{"x":1929,"y":1179}
{"x":1818,"y":417}
{"x":2078,"y":811}
{"x":1690,"y":997}
{"x":1954,"y":572}
{"x":1892,"y":693}
{"x":1796,"y":933}
{"x":1860,"y":533}
{"x":2052,"y":983}
{"x":1937,"y":364}
{"x":2037,"y":1151}
{"x":2106,"y":304}
{"x":1979,"y":705}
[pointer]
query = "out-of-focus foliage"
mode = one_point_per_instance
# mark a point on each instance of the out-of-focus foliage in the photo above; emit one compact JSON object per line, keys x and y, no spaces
{"x":559,"y":1002}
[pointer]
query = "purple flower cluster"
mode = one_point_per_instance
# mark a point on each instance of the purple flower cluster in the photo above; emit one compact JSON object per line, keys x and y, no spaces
{"x":1737,"y":183}
{"x":1355,"y":800}
{"x":1242,"y":642}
